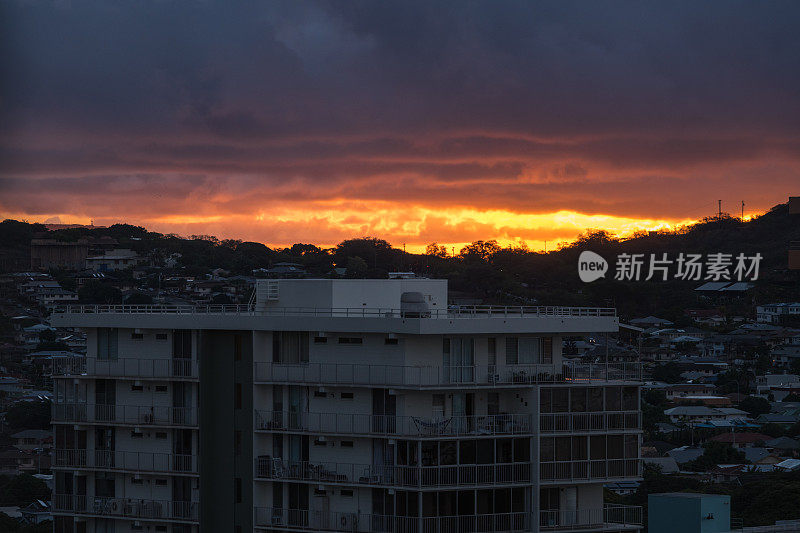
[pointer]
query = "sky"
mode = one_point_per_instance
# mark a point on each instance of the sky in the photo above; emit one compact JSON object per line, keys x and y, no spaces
{"x":413,"y":121}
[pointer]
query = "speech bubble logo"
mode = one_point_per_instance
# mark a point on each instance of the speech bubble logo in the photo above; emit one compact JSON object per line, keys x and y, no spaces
{"x":591,"y":266}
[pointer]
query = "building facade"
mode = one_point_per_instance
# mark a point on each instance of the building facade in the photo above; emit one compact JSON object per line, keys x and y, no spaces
{"x":341,"y":405}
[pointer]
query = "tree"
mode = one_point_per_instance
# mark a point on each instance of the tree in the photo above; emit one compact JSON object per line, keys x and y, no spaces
{"x":716,"y":453}
{"x":755,"y":405}
{"x":793,"y":397}
{"x":668,"y":373}
{"x":22,"y":490}
{"x":435,"y":250}
{"x":138,"y":298}
{"x":29,"y":415}
{"x":482,"y":250}
{"x":98,"y":292}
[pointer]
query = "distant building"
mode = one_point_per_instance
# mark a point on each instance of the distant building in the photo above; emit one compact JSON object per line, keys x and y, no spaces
{"x":112,"y":260}
{"x":50,"y":253}
{"x":775,"y":313}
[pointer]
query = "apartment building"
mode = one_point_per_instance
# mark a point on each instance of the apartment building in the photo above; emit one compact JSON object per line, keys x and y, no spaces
{"x":341,"y":405}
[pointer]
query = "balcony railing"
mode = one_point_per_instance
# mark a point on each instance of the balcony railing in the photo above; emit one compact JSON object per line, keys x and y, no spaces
{"x":144,"y":415}
{"x":127,"y":507}
{"x":610,"y":516}
{"x":589,"y":469}
{"x":124,"y":460}
{"x":453,"y":312}
{"x":394,"y":475}
{"x":267,"y":517}
{"x":168,"y":368}
{"x":364,"y":424}
{"x":599,"y":421}
{"x":437,"y":376}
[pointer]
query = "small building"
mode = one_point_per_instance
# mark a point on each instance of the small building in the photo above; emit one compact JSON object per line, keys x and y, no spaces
{"x":32,"y":439}
{"x":688,"y":513}
{"x":112,"y":260}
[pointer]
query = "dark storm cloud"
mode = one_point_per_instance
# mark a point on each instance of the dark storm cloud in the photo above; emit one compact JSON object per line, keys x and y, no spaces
{"x":526,"y":106}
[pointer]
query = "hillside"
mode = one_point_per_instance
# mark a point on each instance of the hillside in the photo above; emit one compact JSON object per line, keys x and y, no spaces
{"x":483,"y":269}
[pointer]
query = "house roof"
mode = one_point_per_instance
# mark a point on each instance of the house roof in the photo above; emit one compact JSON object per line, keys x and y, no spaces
{"x":783,"y":443}
{"x":668,"y":464}
{"x":754,"y":454}
{"x":32,"y":434}
{"x":739,"y":438}
{"x":685,"y":454}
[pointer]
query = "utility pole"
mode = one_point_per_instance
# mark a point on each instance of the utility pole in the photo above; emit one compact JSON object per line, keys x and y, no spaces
{"x":742,"y":210}
{"x":719,"y":209}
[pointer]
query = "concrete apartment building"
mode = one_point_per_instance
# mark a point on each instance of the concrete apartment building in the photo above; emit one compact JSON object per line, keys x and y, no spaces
{"x":341,"y":405}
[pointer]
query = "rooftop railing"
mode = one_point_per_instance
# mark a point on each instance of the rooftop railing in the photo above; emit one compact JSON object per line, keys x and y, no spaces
{"x":393,"y":475}
{"x":290,"y":519}
{"x":126,"y":507}
{"x":167,"y":368}
{"x":366,"y":424}
{"x":443,"y":376}
{"x":609,"y":516}
{"x":138,"y":415}
{"x":478,"y":311}
{"x":125,"y":460}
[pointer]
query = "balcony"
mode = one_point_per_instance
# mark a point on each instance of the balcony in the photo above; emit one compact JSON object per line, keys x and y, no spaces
{"x":146,"y":415}
{"x":588,"y":470}
{"x":347,"y":374}
{"x":412,"y":426}
{"x":609,"y":517}
{"x":302,"y":520}
{"x":419,"y":477}
{"x":166,"y":368}
{"x":121,"y":460}
{"x":159,"y":510}
{"x":589,"y":422}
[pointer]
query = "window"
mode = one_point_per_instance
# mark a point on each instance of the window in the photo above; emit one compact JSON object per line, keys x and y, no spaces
{"x":347,"y":395}
{"x":318,"y":442}
{"x":493,"y":403}
{"x":137,"y":481}
{"x":320,"y":340}
{"x":547,"y":350}
{"x":137,"y":435}
{"x":438,"y":406}
{"x":237,"y":347}
{"x":161,"y":336}
{"x":347,"y":493}
{"x":512,"y":350}
{"x":391,"y":341}
{"x":237,"y":396}
{"x":238,"y":489}
{"x":320,"y":394}
{"x":161,"y":434}
{"x":107,"y":339}
{"x":137,"y":388}
{"x":458,"y":359}
{"x":161,"y":388}
{"x":351,"y":340}
{"x":137,"y":336}
{"x":161,"y":482}
{"x":181,"y":343}
{"x":289,"y":347}
{"x":346,"y":444}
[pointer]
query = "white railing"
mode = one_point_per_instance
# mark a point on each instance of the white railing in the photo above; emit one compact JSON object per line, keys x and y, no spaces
{"x":127,"y":367}
{"x":478,"y":311}
{"x":393,"y":475}
{"x":139,"y":415}
{"x":124,"y":460}
{"x":598,"y":421}
{"x":127,"y":507}
{"x":434,"y":376}
{"x":589,"y":469}
{"x":268,"y":517}
{"x":609,"y":515}
{"x":365,"y":424}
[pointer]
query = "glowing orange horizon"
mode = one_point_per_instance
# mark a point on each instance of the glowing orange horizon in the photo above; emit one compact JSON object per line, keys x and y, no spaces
{"x":411,"y":226}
